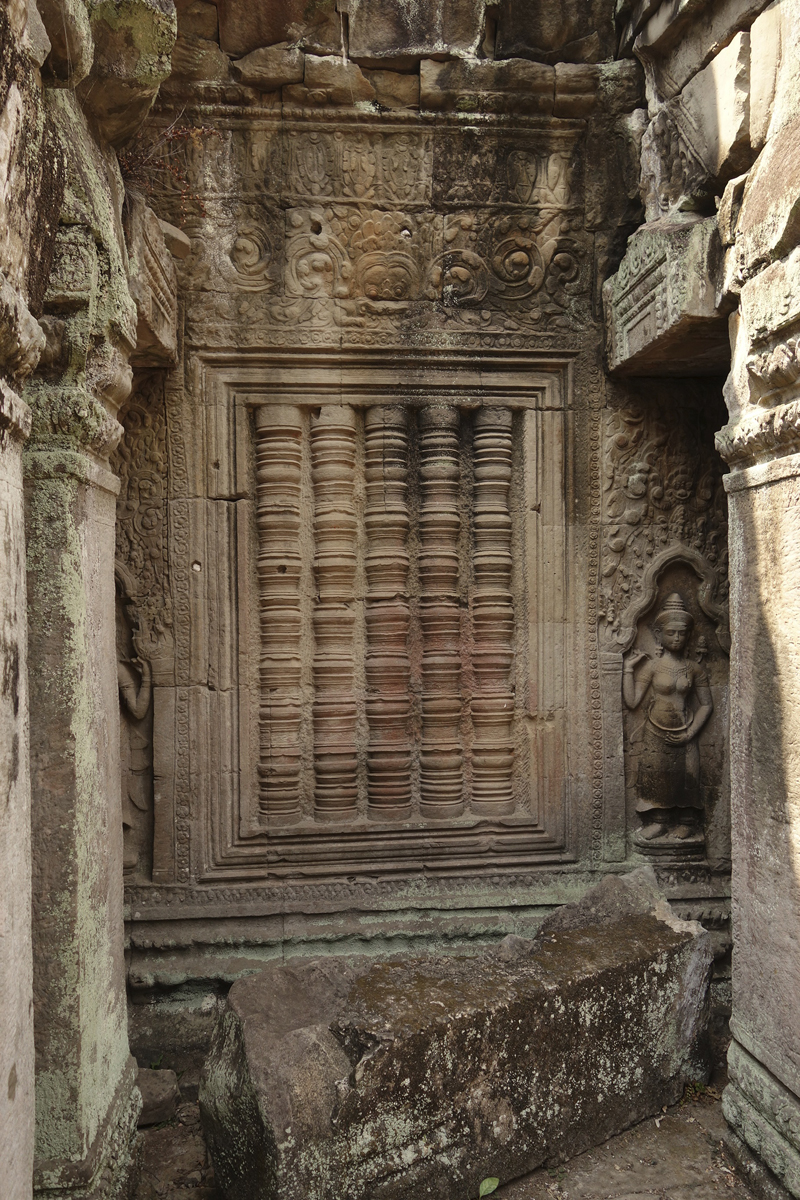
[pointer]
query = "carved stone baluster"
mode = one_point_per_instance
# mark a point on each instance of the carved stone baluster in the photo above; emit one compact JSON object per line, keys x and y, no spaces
{"x":440,"y":523}
{"x":387,"y":665}
{"x":278,"y":462}
{"x":333,"y":457}
{"x":493,"y":616}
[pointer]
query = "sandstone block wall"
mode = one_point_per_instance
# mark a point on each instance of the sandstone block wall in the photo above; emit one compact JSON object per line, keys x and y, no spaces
{"x":722,"y":128}
{"x":381,"y":542}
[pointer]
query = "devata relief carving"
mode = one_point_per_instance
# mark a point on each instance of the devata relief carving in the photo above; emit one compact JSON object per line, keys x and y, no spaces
{"x":664,"y":600}
{"x":674,"y":694}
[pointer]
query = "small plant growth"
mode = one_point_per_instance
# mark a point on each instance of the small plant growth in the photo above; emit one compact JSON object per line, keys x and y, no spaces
{"x":155,"y":164}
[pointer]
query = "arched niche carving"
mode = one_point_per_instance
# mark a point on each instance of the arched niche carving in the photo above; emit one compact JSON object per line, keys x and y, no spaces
{"x":707,"y":593}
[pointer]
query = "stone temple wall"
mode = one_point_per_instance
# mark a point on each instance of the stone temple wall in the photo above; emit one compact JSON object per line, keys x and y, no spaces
{"x":386,"y":530}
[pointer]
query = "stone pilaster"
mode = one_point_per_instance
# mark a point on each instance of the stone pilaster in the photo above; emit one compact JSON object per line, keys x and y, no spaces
{"x":87,"y":1103}
{"x":762,"y":1100}
{"x":32,"y":182}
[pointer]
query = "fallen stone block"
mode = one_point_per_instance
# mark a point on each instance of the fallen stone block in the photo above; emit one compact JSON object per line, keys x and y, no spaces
{"x":160,"y":1095}
{"x":379,"y":1080}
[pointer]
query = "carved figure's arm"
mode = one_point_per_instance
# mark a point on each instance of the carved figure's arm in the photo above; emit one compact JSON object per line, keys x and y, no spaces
{"x":135,"y":694}
{"x":633,"y":690}
{"x":704,"y":710}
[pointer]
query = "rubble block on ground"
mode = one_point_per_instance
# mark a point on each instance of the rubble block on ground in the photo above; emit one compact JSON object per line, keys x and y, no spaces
{"x":378,"y":1080}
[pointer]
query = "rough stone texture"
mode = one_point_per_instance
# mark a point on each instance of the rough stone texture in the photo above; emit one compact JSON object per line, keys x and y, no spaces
{"x":69,"y":32}
{"x":271,"y":67}
{"x":679,"y":40}
{"x":244,"y":27}
{"x":563,"y":31}
{"x":375,"y":1079}
{"x":31,"y":184}
{"x":160,"y":1095}
{"x":65,"y":260}
{"x":133,"y":42}
{"x":515,"y":85}
{"x":152,"y":283}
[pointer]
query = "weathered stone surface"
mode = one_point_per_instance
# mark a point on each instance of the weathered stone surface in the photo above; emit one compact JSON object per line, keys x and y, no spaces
{"x":679,"y":40}
{"x":564,"y":31}
{"x":198,"y":18}
{"x":31,"y":188}
{"x":339,"y":82}
{"x":271,"y":67}
{"x":71,"y":42}
{"x":395,"y":90}
{"x":769,"y":221}
{"x":394,"y":30}
{"x":133,"y":43}
{"x":244,"y":26}
{"x":160,"y":1095}
{"x":661,"y":309}
{"x":716,"y":103}
{"x":515,"y":85}
{"x":374,"y":1079}
{"x":765,"y":57}
{"x":199,"y":58}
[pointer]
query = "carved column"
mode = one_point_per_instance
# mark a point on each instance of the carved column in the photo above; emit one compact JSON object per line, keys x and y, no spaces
{"x":440,"y":523}
{"x":388,"y":699}
{"x":493,"y":616}
{"x":278,"y":464}
{"x":333,"y":457}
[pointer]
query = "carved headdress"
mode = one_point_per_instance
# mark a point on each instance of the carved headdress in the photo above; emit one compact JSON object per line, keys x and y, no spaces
{"x":674,"y":609}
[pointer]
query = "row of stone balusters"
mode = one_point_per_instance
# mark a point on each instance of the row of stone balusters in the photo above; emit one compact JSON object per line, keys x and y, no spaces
{"x":388,"y":702}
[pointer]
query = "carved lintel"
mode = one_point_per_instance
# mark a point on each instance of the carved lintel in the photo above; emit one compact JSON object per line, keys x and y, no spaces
{"x":278,"y":467}
{"x":660,"y":307}
{"x":493,"y":616}
{"x":388,"y":614}
{"x":440,"y":525}
{"x":333,"y":456}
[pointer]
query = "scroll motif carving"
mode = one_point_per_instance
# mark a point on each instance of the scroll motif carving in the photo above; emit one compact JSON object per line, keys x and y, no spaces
{"x":493,"y":616}
{"x":278,"y":477}
{"x":440,"y":524}
{"x":333,"y":458}
{"x":661,"y":491}
{"x":387,"y":667}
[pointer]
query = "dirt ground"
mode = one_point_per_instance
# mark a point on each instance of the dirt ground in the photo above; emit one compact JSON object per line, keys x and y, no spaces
{"x":677,"y":1156}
